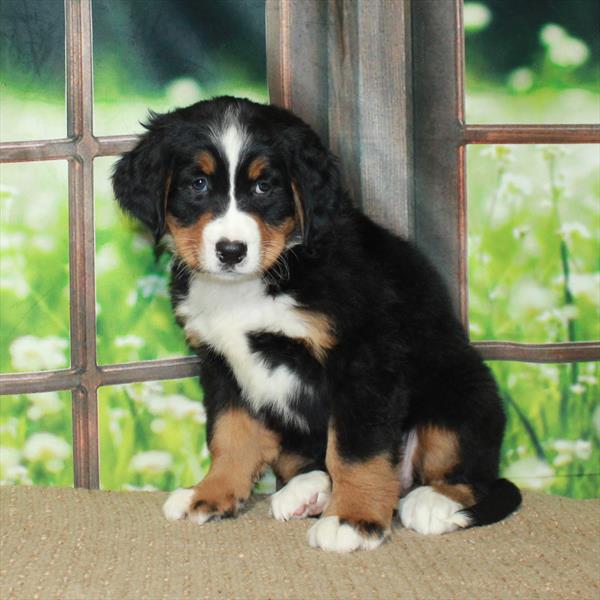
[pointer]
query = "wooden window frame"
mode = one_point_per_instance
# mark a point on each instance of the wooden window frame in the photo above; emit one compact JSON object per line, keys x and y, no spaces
{"x":324,"y":61}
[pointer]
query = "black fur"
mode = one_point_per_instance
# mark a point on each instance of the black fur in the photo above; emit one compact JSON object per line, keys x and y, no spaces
{"x":401,"y":357}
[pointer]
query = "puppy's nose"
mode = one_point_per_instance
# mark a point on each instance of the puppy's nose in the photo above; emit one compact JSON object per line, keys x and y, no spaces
{"x":231,"y":253}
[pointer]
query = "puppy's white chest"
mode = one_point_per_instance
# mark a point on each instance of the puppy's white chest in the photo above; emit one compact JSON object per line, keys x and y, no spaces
{"x":221,"y":314}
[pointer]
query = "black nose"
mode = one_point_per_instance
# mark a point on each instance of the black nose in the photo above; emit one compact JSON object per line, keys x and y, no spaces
{"x":231,"y":253}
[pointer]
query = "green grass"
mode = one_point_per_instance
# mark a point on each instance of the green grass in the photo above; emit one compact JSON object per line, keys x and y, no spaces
{"x":533,"y":216}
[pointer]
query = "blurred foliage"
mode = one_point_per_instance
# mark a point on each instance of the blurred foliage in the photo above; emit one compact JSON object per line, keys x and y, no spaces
{"x":533,"y":230}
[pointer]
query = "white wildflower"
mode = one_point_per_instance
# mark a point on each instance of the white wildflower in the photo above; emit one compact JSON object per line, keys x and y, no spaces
{"x":568,"y":231}
{"x":129,"y":341}
{"x":158,"y":425}
{"x":578,"y":389}
{"x":134,"y":488}
{"x":30,"y":353}
{"x":131,"y":298}
{"x":107,"y":259}
{"x":550,"y":372}
{"x":46,"y":448}
{"x":560,"y":460}
{"x":9,"y":457}
{"x":521,"y":450}
{"x":42,"y":404}
{"x":9,"y":428}
{"x":529,"y":295}
{"x":552,"y":34}
{"x":500,"y":154}
{"x":596,"y":420}
{"x":152,"y":285}
{"x":15,"y":282}
{"x":562,"y":446}
{"x":584,"y":284}
{"x":531,"y":473}
{"x":183,"y":91}
{"x":141,"y":244}
{"x":569,"y":52}
{"x":514,"y":186}
{"x":475,"y":329}
{"x":588,"y":379}
{"x":16,"y":475}
{"x":583,"y":449}
{"x":521,"y":79}
{"x":10,"y":240}
{"x":42,"y":242}
{"x":151,"y":462}
{"x":476,"y":16}
{"x":521,"y":232}
{"x":551,"y":151}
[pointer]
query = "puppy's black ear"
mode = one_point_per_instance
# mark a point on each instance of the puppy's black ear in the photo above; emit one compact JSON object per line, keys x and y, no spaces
{"x":316,"y":180}
{"x":140,"y":181}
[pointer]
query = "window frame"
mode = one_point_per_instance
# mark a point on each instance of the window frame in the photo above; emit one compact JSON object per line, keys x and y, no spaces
{"x":305,"y":43}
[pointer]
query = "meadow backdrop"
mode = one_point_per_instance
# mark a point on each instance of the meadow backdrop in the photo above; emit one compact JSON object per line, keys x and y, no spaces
{"x":533,"y":223}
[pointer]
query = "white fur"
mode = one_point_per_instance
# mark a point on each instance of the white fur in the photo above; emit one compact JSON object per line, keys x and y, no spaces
{"x":293,"y":501}
{"x":221,"y":313}
{"x":234,"y":225}
{"x":328,"y":534}
{"x":426,"y":511}
{"x":406,"y":467}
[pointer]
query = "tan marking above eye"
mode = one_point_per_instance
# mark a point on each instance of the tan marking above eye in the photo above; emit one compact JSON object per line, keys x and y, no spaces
{"x":256,"y":167}
{"x":188,"y":240}
{"x":206,"y":161}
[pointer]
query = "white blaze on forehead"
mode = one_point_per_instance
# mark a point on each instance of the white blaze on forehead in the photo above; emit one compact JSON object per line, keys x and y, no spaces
{"x":234,"y":225}
{"x":232,"y":142}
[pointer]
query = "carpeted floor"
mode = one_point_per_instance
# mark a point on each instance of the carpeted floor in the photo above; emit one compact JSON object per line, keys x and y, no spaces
{"x":82,"y":545}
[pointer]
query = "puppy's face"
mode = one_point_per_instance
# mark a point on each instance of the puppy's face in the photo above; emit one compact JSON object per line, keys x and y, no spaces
{"x":230,"y":185}
{"x":230,"y":206}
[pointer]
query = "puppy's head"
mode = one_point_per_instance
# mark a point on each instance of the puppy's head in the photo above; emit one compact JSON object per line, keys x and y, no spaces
{"x":231,"y":185}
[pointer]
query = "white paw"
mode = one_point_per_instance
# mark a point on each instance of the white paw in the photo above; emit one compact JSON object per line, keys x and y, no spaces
{"x":327,"y":533}
{"x":178,"y":506}
{"x":428,"y":511}
{"x":304,"y":495}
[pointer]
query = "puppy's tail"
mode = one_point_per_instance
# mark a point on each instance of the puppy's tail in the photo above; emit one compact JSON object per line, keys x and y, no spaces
{"x":502,"y":498}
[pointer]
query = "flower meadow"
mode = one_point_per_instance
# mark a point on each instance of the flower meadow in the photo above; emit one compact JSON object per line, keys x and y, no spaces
{"x":533,"y":265}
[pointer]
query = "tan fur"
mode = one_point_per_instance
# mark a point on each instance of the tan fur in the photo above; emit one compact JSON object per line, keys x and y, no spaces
{"x":320,"y":338}
{"x":363,"y":492}
{"x":241,"y":447}
{"x":273,"y":240}
{"x":437,"y":453}
{"x":460,"y":492}
{"x":206,"y":161}
{"x":288,"y":464}
{"x":188,"y":240}
{"x":256,"y":167}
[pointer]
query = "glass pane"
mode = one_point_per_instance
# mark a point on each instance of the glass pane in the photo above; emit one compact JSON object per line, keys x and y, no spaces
{"x":553,"y":429}
{"x":134,"y":316}
{"x":534,"y":243}
{"x":532,"y":62}
{"x":32,"y":70}
{"x":35,"y":439}
{"x":168,"y":53}
{"x":152,"y":435}
{"x":34,"y":267}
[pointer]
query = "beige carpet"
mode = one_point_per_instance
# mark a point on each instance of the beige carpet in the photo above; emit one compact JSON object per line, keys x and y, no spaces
{"x":82,"y":545}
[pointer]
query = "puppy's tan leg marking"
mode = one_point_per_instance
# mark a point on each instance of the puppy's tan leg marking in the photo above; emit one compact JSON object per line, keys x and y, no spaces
{"x":364,"y":496}
{"x":289,"y":464}
{"x":241,"y":447}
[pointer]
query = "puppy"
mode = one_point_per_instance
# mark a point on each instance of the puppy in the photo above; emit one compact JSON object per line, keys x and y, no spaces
{"x":329,"y":347}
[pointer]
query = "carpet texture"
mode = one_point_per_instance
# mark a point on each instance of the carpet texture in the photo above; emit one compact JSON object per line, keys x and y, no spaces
{"x":88,"y":545}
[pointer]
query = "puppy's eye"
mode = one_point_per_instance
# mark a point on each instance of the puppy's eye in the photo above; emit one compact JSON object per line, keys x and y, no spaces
{"x":200,"y":184}
{"x":262,"y":187}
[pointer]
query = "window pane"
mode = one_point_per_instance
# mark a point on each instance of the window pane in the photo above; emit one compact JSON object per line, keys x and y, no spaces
{"x":534,"y":243}
{"x":152,"y":435}
{"x":532,"y":62}
{"x":32,"y":69}
{"x":34,"y":267}
{"x":36,"y":440}
{"x":553,"y":427}
{"x":170,"y":53}
{"x":134,"y":316}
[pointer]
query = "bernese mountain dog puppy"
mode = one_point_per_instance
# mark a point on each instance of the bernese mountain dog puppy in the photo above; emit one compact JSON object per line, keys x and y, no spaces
{"x":329,"y":347}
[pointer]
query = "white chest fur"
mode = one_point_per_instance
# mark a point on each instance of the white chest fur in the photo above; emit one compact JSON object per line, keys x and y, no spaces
{"x":221,"y":313}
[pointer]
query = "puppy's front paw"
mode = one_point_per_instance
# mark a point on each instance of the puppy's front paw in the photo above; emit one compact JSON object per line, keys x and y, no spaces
{"x":201,"y":504}
{"x":426,"y":511}
{"x":337,"y":535}
{"x":303,"y":496}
